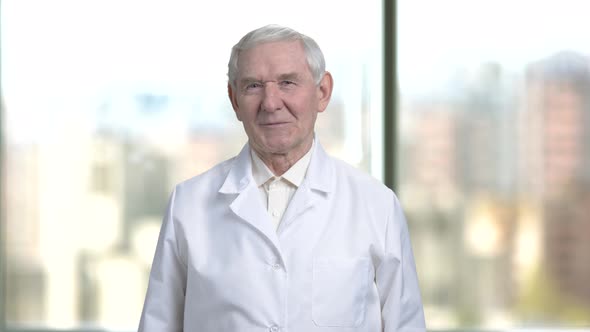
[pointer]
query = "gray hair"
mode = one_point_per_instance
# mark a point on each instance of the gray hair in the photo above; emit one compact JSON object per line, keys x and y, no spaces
{"x":277,"y":33}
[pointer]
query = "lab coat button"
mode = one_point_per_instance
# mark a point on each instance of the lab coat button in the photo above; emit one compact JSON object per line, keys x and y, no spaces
{"x":276,"y":266}
{"x":275,"y":213}
{"x":274,"y":328}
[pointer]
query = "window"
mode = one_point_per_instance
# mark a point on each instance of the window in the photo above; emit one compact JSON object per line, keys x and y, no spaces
{"x":107,"y":104}
{"x":494,"y":159}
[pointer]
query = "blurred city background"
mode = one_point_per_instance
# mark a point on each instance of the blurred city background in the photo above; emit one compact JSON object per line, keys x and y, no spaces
{"x":106,"y":105}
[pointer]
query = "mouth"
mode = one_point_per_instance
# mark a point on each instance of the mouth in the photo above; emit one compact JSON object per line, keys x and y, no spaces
{"x":274,"y":124}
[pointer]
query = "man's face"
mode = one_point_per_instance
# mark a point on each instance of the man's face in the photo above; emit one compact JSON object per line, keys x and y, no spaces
{"x":277,"y":99}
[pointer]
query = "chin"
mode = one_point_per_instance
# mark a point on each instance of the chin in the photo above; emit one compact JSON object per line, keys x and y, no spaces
{"x":275,"y":148}
{"x":278,"y":149}
{"x":278,"y":144}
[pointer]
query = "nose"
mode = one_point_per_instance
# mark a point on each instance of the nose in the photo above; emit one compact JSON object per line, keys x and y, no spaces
{"x":271,"y":100}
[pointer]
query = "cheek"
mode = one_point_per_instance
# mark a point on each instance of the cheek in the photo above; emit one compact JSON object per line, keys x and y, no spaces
{"x":301,"y":107}
{"x":248,"y":110}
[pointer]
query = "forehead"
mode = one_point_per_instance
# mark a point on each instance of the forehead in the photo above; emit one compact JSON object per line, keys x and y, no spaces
{"x":273,"y":58}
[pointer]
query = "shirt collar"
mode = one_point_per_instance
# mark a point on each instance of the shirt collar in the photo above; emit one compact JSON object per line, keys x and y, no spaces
{"x":295,"y":175}
{"x":260,"y":172}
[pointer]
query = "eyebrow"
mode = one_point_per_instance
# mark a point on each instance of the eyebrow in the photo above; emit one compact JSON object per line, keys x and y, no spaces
{"x":289,"y":76}
{"x":282,"y":77}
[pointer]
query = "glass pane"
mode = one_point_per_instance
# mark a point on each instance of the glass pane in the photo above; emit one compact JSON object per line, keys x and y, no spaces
{"x":495,"y":160}
{"x":108,"y":104}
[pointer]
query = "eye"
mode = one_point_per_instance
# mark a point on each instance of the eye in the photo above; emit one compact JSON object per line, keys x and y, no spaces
{"x":253,"y":86}
{"x":287,"y":83}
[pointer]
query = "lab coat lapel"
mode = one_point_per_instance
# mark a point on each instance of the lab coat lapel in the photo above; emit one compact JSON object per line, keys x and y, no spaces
{"x":247,"y":205}
{"x":318,"y":183}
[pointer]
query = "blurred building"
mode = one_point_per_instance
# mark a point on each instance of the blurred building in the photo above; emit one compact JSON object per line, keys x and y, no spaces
{"x":24,"y":270}
{"x":486,"y":132}
{"x":459,"y":188}
{"x":558,"y":112}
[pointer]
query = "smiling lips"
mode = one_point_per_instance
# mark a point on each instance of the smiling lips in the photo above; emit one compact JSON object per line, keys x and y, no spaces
{"x":274,"y":124}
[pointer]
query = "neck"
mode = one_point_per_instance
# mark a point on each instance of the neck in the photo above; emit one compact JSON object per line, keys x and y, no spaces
{"x":279,"y":163}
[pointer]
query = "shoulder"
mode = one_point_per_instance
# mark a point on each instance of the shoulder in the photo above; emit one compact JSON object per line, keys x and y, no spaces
{"x":363,"y":183}
{"x":208,"y":181}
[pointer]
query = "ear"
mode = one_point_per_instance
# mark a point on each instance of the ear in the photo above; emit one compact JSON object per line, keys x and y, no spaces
{"x":324,"y":90}
{"x":234,"y":102}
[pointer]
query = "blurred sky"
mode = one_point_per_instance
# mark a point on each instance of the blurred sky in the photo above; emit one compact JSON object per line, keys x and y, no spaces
{"x":436,"y":37}
{"x":95,"y":42}
{"x":121,"y":40}
{"x":64,"y":58}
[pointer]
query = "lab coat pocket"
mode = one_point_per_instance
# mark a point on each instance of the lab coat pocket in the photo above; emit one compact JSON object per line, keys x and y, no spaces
{"x":339,"y":291}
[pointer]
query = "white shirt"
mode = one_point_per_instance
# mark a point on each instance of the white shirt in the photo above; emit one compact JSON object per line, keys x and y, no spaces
{"x":341,"y":259}
{"x":276,"y":191}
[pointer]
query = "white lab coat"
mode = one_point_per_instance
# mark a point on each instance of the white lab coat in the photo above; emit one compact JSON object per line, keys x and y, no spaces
{"x":341,"y":259}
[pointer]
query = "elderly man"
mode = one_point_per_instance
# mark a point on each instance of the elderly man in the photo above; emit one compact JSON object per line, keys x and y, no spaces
{"x":282,"y":237}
